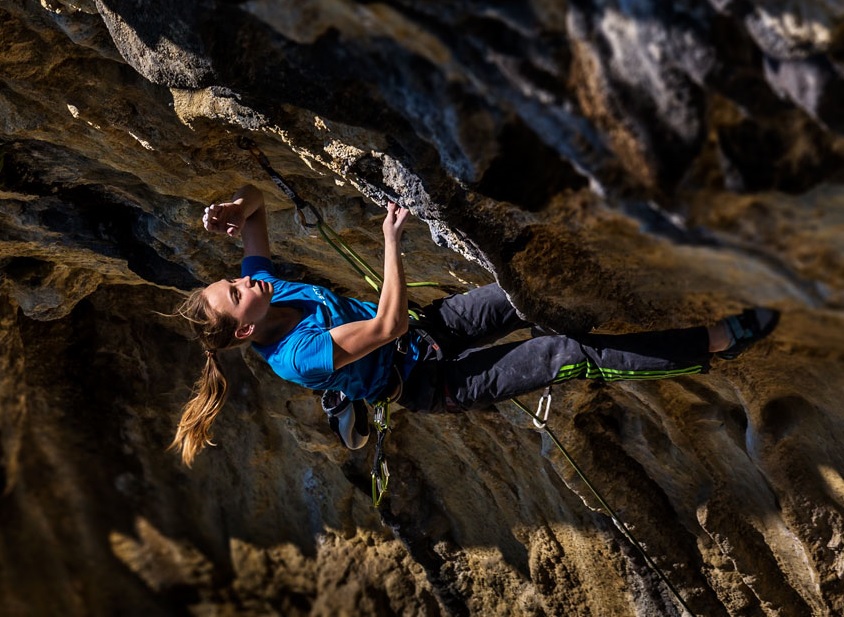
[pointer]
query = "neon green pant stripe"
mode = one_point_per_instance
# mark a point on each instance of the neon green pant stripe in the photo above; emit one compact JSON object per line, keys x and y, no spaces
{"x":589,"y":370}
{"x":615,"y":375}
{"x":570,"y":371}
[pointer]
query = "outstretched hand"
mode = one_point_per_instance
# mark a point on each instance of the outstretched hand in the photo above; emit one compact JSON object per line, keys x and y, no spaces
{"x":394,"y":221}
{"x":225,"y":218}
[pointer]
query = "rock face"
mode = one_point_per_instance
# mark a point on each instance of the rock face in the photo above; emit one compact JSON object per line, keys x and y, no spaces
{"x":614,"y":165}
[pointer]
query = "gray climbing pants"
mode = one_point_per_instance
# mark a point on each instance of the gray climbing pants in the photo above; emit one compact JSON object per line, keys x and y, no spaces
{"x":463,"y":371}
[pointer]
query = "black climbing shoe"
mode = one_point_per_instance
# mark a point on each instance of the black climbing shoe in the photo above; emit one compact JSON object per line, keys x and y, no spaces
{"x":348,"y":419}
{"x":752,"y":325}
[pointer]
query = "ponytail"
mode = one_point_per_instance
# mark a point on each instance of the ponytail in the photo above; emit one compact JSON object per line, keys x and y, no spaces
{"x":214,"y":331}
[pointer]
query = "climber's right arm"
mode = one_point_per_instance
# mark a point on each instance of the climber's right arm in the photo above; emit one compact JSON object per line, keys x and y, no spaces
{"x":245,"y":216}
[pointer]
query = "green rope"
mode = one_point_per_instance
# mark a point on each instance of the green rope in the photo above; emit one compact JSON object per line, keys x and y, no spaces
{"x":346,"y":252}
{"x":542,"y":422}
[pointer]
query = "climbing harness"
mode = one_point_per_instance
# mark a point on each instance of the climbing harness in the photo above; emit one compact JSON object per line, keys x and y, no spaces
{"x":380,"y":472}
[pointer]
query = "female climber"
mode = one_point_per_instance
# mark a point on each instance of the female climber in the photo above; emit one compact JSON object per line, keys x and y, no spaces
{"x":323,"y":341}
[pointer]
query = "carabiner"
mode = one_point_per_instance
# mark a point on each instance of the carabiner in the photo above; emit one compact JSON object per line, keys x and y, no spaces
{"x":540,"y":419}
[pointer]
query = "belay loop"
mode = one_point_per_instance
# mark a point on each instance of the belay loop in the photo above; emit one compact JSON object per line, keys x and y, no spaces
{"x":380,"y":472}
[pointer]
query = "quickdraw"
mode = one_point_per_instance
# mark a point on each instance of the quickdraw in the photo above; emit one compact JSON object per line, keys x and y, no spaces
{"x":245,"y":143}
{"x":380,"y":471}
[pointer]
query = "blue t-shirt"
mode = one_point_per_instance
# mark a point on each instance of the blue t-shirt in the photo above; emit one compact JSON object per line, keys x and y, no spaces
{"x":305,"y":355}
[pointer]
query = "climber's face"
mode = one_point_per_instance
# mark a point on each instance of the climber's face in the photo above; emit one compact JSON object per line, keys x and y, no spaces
{"x":245,"y":299}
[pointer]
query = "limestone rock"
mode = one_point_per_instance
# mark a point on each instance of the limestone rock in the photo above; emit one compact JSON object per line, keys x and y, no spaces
{"x":614,"y":165}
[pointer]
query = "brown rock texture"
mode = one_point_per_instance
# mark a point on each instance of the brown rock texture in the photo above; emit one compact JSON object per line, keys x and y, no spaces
{"x":614,"y":165}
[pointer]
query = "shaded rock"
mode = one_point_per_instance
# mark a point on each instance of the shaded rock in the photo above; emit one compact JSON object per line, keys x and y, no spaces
{"x":814,"y":84}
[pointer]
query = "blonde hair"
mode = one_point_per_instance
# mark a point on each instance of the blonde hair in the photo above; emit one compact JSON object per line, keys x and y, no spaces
{"x":214,"y":331}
